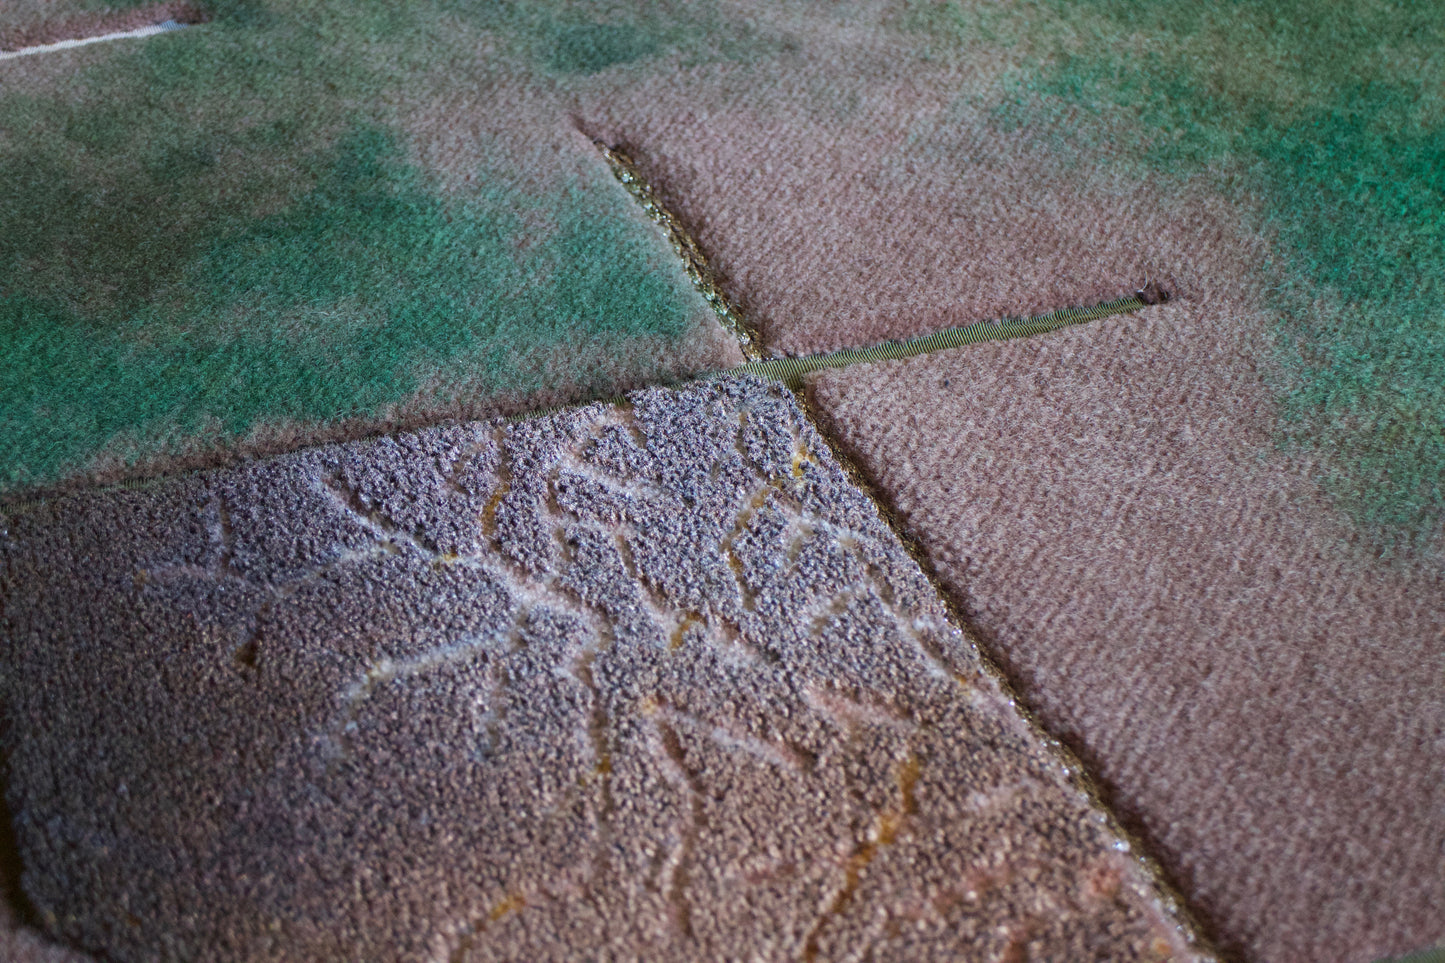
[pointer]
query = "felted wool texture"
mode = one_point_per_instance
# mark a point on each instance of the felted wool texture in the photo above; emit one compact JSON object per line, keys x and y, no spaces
{"x":20,"y":943}
{"x":875,"y":171}
{"x":832,"y":233}
{"x":648,"y":681}
{"x":276,"y":256}
{"x":901,"y":168}
{"x":1259,"y":691}
{"x":24,"y":25}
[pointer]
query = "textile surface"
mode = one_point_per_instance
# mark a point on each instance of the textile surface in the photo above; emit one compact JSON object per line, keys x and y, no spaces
{"x":1204,"y":543}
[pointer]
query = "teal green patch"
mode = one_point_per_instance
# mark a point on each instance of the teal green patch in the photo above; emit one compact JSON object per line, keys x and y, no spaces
{"x":1432,"y":955}
{"x":587,"y":48}
{"x":130,"y":173}
{"x":1363,"y":199}
{"x":337,"y":306}
{"x":203,"y":243}
{"x":578,"y":37}
{"x":1334,"y":115}
{"x":215,"y":230}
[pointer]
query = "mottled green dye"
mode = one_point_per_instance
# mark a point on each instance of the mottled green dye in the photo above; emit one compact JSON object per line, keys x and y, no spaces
{"x":584,"y":37}
{"x":223,"y":233}
{"x":336,"y":306}
{"x":216,"y":225}
{"x":145,"y":159}
{"x":1333,"y":115}
{"x":589,"y":47}
{"x":1431,"y":955}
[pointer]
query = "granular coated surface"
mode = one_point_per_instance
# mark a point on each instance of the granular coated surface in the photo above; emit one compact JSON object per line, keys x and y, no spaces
{"x":639,"y":682}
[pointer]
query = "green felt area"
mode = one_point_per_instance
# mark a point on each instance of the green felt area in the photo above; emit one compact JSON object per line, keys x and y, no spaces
{"x":1432,"y":955}
{"x":222,"y":229}
{"x":578,"y":38}
{"x":211,"y":212}
{"x":1333,"y":115}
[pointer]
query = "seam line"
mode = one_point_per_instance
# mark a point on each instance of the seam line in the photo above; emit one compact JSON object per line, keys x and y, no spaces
{"x":149,"y":31}
{"x":694,"y":262}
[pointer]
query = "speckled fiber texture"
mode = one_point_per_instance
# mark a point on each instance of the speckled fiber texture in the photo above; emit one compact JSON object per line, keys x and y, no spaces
{"x":1262,"y":694}
{"x":639,"y":682}
{"x":22,"y":944}
{"x":34,"y":25}
{"x":313,"y":220}
{"x":846,"y":229}
{"x":1207,"y":542}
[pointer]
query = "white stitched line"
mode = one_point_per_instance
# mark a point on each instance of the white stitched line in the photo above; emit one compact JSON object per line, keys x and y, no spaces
{"x":150,"y":31}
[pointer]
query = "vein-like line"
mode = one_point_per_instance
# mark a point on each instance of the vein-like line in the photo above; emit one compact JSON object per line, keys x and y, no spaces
{"x":150,"y":31}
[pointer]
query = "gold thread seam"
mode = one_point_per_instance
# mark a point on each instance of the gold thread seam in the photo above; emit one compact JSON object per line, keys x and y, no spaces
{"x":694,"y":262}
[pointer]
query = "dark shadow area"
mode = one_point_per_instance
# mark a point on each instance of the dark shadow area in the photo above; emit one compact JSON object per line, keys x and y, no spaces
{"x":11,"y":866}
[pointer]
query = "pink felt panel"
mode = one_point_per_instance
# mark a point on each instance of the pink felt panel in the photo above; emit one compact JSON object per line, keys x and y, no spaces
{"x":898,"y":210}
{"x":1260,"y":693}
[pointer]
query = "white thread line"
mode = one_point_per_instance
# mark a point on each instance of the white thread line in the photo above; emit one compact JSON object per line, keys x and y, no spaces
{"x":150,"y":31}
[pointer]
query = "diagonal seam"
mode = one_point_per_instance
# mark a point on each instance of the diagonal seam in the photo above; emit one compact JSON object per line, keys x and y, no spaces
{"x":694,"y":262}
{"x":85,"y":29}
{"x":791,"y":372}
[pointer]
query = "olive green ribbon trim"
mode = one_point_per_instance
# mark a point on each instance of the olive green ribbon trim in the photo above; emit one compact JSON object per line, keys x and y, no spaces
{"x":791,"y":370}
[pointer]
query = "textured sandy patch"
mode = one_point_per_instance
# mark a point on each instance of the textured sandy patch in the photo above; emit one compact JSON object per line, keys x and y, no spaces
{"x":651,"y":682}
{"x":1262,"y":696}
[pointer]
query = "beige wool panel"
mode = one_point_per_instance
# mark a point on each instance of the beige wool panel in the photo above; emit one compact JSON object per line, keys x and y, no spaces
{"x":903,"y":213}
{"x":1260,"y":693}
